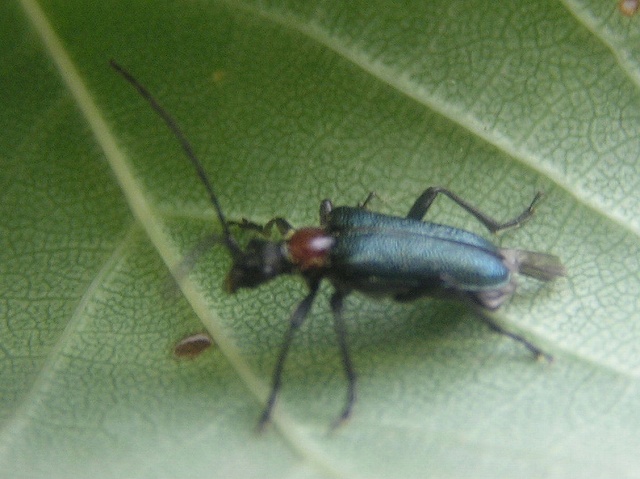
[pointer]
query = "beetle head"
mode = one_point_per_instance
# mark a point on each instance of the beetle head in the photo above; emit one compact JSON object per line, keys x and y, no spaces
{"x":261,"y":261}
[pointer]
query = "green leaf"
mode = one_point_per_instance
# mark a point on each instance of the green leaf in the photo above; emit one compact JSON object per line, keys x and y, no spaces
{"x":288,"y":103}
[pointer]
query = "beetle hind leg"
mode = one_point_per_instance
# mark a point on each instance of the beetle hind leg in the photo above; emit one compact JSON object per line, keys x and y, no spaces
{"x":535,"y":350}
{"x":424,"y":201}
{"x":492,"y":299}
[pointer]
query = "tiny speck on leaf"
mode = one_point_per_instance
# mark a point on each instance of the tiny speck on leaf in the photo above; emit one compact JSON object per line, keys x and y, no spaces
{"x":192,"y":346}
{"x":628,"y":7}
{"x":219,"y":76}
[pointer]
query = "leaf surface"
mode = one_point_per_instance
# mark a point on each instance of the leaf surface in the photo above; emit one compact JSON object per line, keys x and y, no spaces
{"x":288,"y":103}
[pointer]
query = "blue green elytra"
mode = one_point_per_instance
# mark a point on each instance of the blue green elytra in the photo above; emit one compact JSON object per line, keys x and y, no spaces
{"x":356,"y":249}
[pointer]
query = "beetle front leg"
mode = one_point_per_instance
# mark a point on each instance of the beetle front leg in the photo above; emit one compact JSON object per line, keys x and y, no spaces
{"x":296,"y":320}
{"x":424,"y":201}
{"x":282,"y":225}
{"x":337,"y":307}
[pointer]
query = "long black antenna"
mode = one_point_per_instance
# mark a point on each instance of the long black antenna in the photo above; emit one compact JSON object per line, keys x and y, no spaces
{"x":187,"y":148}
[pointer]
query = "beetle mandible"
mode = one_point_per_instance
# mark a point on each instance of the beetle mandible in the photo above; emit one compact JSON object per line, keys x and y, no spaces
{"x":355,"y":249}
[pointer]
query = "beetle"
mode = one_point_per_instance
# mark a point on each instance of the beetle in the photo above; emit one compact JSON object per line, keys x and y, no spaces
{"x":356,"y":249}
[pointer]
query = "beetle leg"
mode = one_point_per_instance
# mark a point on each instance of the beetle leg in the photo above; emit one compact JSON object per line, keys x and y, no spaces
{"x":537,"y":352}
{"x":325,"y":210}
{"x":424,"y":201}
{"x":283,"y":226}
{"x":365,"y":204}
{"x":296,"y":320}
{"x":337,"y":307}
